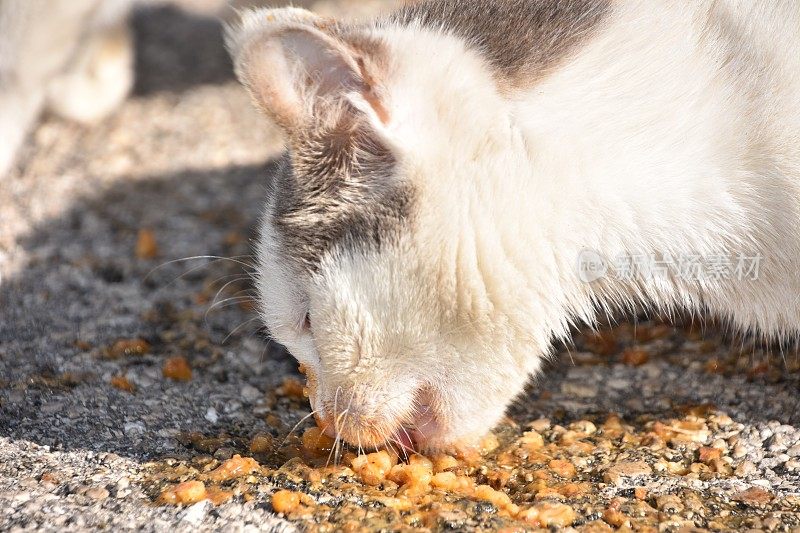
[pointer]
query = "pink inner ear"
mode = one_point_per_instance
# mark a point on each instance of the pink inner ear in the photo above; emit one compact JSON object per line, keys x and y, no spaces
{"x":293,"y":70}
{"x":369,"y":93}
{"x":325,"y":62}
{"x":265,"y":70}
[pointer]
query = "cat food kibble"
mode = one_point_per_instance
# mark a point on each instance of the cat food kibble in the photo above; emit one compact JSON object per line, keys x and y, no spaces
{"x":317,"y":442}
{"x":177,"y":369}
{"x":236,"y":466}
{"x":122,"y":383}
{"x":187,"y":492}
{"x":285,"y":501}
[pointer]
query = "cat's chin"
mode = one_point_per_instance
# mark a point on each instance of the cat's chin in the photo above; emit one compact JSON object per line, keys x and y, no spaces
{"x":422,"y":428}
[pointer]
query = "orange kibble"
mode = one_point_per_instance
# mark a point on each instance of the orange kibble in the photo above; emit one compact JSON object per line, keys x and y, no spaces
{"x":635,"y":356}
{"x":410,"y":474}
{"x":413,"y":490}
{"x":146,"y":245}
{"x":498,"y":498}
{"x":549,"y":493}
{"x":122,"y":383}
{"x":708,"y":455}
{"x":317,"y":442}
{"x":190,"y":491}
{"x":127,"y":347}
{"x":421,"y":461}
{"x":602,"y":342}
{"x":292,"y":388}
{"x":507,"y":459}
{"x":82,"y":345}
{"x":218,"y":496}
{"x":753,"y":496}
{"x":50,"y":477}
{"x":262,"y":443}
{"x":466,"y":485}
{"x":443,"y":462}
{"x":571,"y":490}
{"x":445,"y":480}
{"x":563,"y":468}
{"x":373,"y":468}
{"x":549,"y":514}
{"x":177,"y":368}
{"x":187,"y":492}
{"x":285,"y":501}
{"x":489,"y":443}
{"x":615,"y":518}
{"x":498,"y":478}
{"x":235,"y":467}
{"x":613,"y":423}
{"x":531,"y":440}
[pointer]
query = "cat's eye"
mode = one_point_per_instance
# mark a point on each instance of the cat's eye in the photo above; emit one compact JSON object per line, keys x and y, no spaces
{"x":307,"y":322}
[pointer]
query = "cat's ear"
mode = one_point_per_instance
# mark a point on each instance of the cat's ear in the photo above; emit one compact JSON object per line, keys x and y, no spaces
{"x":295,"y":64}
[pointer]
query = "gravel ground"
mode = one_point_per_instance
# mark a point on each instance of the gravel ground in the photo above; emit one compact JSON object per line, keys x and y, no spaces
{"x":95,"y":226}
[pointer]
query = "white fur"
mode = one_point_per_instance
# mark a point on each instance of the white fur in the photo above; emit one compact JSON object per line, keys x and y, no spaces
{"x":640,"y":144}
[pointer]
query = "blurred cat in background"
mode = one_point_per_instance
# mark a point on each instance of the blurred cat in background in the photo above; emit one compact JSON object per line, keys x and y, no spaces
{"x":76,"y":58}
{"x":71,"y":57}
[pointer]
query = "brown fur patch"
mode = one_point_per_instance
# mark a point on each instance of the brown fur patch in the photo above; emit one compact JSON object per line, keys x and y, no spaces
{"x":521,"y":39}
{"x":338,"y":188}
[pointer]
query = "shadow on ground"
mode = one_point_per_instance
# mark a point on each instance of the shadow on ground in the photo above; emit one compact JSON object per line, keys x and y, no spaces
{"x":177,"y":50}
{"x":86,"y":288}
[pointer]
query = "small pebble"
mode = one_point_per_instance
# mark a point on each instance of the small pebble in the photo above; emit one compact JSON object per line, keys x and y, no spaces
{"x":745,"y":469}
{"x":542,"y":424}
{"x":97,"y":493}
{"x":619,"y":472}
{"x":134,"y":427}
{"x":196,"y":512}
{"x":739,"y":451}
{"x":250,"y":393}
{"x":792,"y":464}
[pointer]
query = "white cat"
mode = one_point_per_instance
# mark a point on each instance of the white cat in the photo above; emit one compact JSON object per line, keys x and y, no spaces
{"x":466,"y":179}
{"x":74,"y":57}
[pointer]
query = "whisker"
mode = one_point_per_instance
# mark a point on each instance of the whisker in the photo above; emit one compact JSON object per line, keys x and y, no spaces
{"x":417,"y":428}
{"x":250,"y":270}
{"x":231,"y":282}
{"x":286,"y":438}
{"x":338,"y":443}
{"x":214,"y":258}
{"x":335,"y":421}
{"x":389,"y":445}
{"x":407,"y":435}
{"x":237,"y":328}
{"x":237,"y":297}
{"x":402,"y":448}
{"x":221,"y":304}
{"x":347,"y":410}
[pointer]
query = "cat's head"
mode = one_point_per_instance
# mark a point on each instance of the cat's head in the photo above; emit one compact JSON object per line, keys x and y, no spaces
{"x":373,"y":265}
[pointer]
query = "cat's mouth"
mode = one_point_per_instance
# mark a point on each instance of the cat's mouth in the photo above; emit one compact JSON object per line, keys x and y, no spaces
{"x":368,"y":428}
